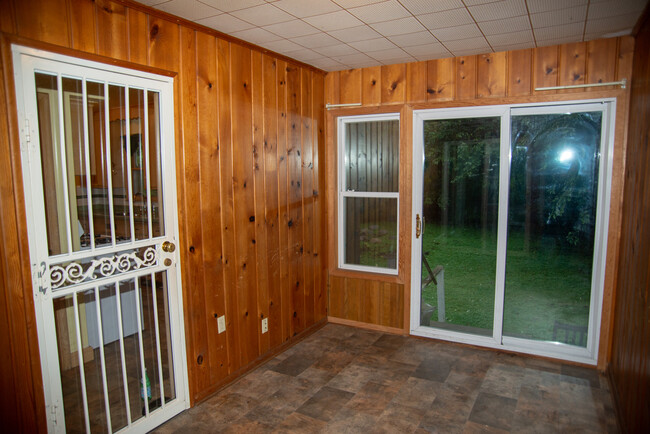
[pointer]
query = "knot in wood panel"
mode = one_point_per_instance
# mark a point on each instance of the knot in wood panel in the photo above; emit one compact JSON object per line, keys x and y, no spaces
{"x":154,"y":31}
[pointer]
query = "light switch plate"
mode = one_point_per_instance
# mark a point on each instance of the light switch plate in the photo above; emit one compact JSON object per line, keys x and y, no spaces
{"x":221,"y":324}
{"x":265,"y":325}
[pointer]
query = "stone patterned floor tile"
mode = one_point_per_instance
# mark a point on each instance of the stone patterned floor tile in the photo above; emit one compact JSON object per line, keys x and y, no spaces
{"x":371,"y":399}
{"x":300,"y":423}
{"x":493,"y":410}
{"x":325,"y":403}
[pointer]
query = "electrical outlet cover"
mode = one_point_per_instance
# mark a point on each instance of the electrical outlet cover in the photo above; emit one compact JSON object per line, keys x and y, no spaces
{"x":221,"y":323}
{"x":265,"y":325}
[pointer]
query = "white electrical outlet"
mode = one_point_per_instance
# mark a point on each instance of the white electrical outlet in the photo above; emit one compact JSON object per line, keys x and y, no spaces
{"x":265,"y":325}
{"x":221,"y":324}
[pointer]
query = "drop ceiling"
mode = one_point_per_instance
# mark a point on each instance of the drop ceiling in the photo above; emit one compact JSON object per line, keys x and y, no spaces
{"x":341,"y":34}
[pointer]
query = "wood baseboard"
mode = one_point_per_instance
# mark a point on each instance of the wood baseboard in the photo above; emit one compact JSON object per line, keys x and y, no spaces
{"x":367,"y":326}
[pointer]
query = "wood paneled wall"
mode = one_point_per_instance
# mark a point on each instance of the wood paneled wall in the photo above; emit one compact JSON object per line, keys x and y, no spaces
{"x":495,"y":78}
{"x":249,"y":135}
{"x":630,"y":360}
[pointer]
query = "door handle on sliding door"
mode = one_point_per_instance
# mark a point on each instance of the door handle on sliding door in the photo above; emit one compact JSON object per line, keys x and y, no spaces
{"x":418,"y":226}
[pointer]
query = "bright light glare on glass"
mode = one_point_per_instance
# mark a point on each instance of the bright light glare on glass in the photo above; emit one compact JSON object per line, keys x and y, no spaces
{"x":566,"y":155}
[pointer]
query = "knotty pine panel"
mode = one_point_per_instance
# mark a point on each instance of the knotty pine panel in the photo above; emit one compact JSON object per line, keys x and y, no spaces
{"x":630,"y":354}
{"x":240,"y":121}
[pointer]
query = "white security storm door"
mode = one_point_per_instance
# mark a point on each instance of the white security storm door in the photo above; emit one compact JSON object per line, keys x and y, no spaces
{"x":97,"y":147}
{"x":510,"y":207}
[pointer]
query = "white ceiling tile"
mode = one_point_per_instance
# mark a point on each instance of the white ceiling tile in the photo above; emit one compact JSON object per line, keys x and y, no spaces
{"x":385,"y":11}
{"x":152,"y":2}
{"x":232,"y":5}
{"x":437,"y":56}
{"x":336,"y":50}
{"x":536,"y":6}
{"x":458,"y":32}
{"x":390,"y":53}
{"x":478,"y":2}
{"x":514,"y":24}
{"x":256,"y":35}
{"x":353,"y":34}
{"x":396,"y":60}
{"x":281,"y":46}
{"x":316,"y":40}
{"x":189,"y":9}
{"x":419,"y":7}
{"x":398,"y":27}
{"x":263,"y":15}
{"x":353,"y":58}
{"x":412,"y":39}
{"x":555,"y":32}
{"x":613,"y":8}
{"x":334,"y":21}
{"x":304,"y":54}
{"x":612,"y":24}
{"x":327,"y":64}
{"x":302,"y":8}
{"x":515,"y":46}
{"x":439,"y":20}
{"x":373,"y":45}
{"x":291,"y":29}
{"x":498,"y":10}
{"x":225,"y":23}
{"x":525,"y":37}
{"x":471,"y":51}
{"x":347,"y":4}
{"x":561,"y":16}
{"x":431,"y":50}
{"x":467,"y":44}
{"x":557,"y":41}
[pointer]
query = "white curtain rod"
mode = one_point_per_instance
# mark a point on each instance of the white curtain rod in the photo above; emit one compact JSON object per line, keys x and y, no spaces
{"x":331,"y":106}
{"x":621,"y":83}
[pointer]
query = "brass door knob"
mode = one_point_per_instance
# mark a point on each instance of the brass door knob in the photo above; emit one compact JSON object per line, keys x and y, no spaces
{"x":167,"y":262}
{"x":168,"y":247}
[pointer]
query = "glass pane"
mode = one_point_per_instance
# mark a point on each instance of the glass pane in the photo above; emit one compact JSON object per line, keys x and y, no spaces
{"x":128,"y":299}
{"x":460,"y":214}
{"x":119,"y":171}
{"x":155,"y":163}
{"x":47,"y":97}
{"x":138,"y":164}
{"x":371,"y":232}
{"x":75,"y":149}
{"x":372,"y":156}
{"x":551,"y":226}
{"x":164,"y":334}
{"x":100,"y":169}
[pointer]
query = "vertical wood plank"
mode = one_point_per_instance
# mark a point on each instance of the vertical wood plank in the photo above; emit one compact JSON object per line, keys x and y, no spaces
{"x":308,"y":229}
{"x":371,"y":85}
{"x":260,"y":234}
{"x":393,"y":83}
{"x":138,"y":36}
{"x":573,"y":67}
{"x":332,"y":84}
{"x":466,"y":77}
{"x":296,"y":248}
{"x":350,"y":86}
{"x":203,"y":187}
{"x":441,"y":79}
{"x":272,"y":207}
{"x":520,"y":64}
{"x":283,"y":200}
{"x":192,"y":238}
{"x":601,"y":60}
{"x":7,"y":24}
{"x":491,"y":81}
{"x":45,"y":21}
{"x":320,"y":235}
{"x":112,"y":34}
{"x":545,"y":72}
{"x":228,"y":251}
{"x":244,"y":199}
{"x":163,"y":35}
{"x":82,"y":25}
{"x":416,"y":82}
{"x":625,"y":57}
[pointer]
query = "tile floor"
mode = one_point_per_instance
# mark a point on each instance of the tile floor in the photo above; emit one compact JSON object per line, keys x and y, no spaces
{"x":347,"y":380}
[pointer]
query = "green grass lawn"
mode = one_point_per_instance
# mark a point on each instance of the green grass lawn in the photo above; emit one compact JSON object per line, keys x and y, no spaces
{"x":542,"y":285}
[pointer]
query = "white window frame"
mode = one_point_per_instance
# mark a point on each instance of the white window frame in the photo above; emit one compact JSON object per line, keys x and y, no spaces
{"x":344,"y":193}
{"x":587,"y":355}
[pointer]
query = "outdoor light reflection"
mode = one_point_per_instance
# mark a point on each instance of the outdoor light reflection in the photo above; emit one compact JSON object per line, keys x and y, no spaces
{"x":566,"y":155}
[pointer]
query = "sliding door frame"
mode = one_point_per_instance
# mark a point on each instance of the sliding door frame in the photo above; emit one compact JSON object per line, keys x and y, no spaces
{"x":586,"y":355}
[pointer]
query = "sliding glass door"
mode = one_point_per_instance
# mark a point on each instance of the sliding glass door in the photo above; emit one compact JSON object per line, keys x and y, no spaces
{"x":510,"y":209}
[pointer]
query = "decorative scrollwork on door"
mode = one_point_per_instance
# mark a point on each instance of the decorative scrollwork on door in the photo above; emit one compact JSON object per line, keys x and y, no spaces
{"x":74,"y":272}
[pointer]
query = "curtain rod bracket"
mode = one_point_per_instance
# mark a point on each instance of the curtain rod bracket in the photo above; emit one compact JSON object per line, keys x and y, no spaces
{"x":329,"y":106}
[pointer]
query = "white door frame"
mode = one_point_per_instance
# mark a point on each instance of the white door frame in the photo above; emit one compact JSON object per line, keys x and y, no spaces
{"x":586,"y":355}
{"x":27,"y":61}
